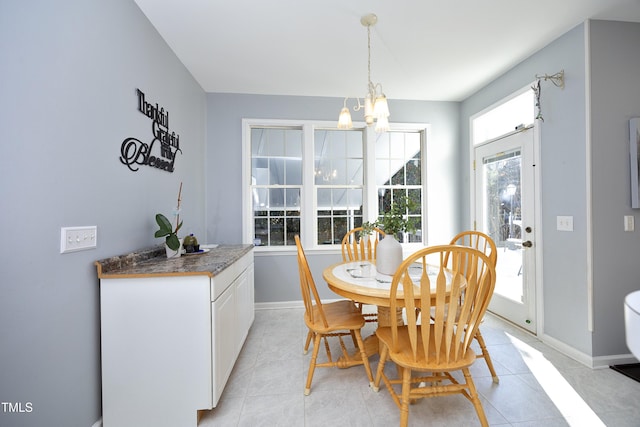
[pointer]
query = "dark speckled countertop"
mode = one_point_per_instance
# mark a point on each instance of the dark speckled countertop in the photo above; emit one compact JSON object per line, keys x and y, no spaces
{"x":154,"y":262}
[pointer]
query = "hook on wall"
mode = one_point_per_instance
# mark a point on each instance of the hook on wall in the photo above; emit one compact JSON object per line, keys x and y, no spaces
{"x":557,"y":79}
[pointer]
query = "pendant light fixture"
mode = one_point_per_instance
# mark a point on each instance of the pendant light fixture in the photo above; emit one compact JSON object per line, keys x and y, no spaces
{"x":376,"y":109}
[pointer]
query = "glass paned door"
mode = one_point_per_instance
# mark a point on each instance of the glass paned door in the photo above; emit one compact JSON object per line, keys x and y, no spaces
{"x":504,"y":203}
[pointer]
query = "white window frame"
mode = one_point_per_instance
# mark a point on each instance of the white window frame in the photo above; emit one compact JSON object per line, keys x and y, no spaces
{"x":308,"y":224}
{"x":499,"y":106}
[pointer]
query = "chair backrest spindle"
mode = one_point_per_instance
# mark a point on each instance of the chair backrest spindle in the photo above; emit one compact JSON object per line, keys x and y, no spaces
{"x":357,"y":246}
{"x":477,"y":240}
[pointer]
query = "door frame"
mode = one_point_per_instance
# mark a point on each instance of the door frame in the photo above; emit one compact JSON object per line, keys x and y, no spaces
{"x":537,"y":201}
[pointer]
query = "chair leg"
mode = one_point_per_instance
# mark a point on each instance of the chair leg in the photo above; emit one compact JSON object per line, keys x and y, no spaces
{"x":354,"y":339}
{"x":365,"y":359}
{"x":306,"y":344}
{"x":406,"y":388}
{"x":384,"y":354}
{"x":382,"y":360}
{"x":473,"y":395}
{"x":312,"y":363}
{"x":486,"y":357}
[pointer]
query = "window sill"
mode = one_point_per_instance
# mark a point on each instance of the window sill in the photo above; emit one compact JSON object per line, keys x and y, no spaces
{"x":291,"y":250}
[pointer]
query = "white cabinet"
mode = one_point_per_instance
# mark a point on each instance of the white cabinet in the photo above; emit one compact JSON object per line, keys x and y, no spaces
{"x":169,"y":343}
{"x":232,"y":317}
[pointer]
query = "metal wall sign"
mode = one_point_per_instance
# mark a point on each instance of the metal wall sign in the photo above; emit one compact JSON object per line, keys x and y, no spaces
{"x":161,"y":152}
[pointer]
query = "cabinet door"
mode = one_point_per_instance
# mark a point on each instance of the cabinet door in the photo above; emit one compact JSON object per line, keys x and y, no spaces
{"x":245,"y":304}
{"x":224,"y":336}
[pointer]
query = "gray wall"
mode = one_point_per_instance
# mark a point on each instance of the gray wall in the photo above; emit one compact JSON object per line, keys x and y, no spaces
{"x":615,"y":97}
{"x":563,"y":179}
{"x":277,"y":276}
{"x":615,"y":73}
{"x":564,"y":191}
{"x":67,"y":100}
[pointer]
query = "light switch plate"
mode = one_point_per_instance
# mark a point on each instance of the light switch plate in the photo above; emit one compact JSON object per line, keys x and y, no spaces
{"x":628,"y":223}
{"x":74,"y":239}
{"x":564,"y":223}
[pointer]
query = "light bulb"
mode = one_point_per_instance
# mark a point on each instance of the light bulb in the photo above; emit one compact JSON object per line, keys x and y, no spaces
{"x":381,"y":107}
{"x":382,"y":124}
{"x":344,"y":120}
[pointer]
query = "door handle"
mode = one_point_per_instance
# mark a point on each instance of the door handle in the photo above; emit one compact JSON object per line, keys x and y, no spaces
{"x":527,"y":244}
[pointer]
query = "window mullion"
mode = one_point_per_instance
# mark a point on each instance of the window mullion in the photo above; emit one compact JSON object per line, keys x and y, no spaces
{"x":371,"y":194}
{"x":308,"y":226}
{"x":247,"y":208}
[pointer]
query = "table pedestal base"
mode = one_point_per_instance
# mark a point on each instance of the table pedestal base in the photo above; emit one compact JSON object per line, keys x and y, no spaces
{"x":384,"y":316}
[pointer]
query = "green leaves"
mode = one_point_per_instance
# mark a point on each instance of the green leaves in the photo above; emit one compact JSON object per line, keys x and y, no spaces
{"x":395,"y":220}
{"x":173,"y":242}
{"x":367,"y":227}
{"x":164,"y":224}
{"x":165,"y":230}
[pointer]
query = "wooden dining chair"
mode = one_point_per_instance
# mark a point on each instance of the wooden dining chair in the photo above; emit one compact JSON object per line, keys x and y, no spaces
{"x":358,"y":246}
{"x":435,"y":348}
{"x":486,"y":245}
{"x":335,"y":319}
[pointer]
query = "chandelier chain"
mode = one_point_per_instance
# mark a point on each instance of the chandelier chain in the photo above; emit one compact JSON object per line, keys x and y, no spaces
{"x":369,"y":50}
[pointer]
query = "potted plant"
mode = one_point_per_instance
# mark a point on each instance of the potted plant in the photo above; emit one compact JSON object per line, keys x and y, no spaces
{"x":172,"y":242}
{"x":394,"y":221}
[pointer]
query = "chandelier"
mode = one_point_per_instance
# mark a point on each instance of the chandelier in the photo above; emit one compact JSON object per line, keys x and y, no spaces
{"x":375,"y":104}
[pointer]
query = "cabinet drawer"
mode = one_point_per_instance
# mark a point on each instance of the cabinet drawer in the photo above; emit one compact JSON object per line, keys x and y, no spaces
{"x":222,"y":280}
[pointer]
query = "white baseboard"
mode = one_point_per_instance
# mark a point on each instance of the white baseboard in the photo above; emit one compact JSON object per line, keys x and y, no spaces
{"x":285,"y":304}
{"x":567,"y":350}
{"x":597,"y":362}
{"x":278,"y":305}
{"x":616,"y":359}
{"x":97,"y":423}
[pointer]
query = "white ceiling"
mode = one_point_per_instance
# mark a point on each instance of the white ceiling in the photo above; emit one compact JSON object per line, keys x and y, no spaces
{"x":420,"y":49}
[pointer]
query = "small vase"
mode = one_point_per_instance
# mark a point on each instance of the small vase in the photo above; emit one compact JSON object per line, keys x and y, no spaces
{"x":388,"y":255}
{"x":174,"y":254}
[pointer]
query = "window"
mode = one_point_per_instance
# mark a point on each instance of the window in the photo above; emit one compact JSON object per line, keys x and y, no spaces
{"x":338,"y":183}
{"x":503,"y":118}
{"x":312,"y":179}
{"x":398,"y":168}
{"x":276,"y":184}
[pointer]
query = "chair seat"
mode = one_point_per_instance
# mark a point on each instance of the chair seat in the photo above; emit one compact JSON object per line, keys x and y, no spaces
{"x":405,"y":357}
{"x":340,"y":315}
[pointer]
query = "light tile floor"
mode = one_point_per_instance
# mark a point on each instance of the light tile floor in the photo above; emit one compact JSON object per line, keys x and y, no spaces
{"x":538,"y":386}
